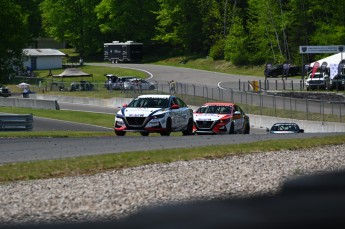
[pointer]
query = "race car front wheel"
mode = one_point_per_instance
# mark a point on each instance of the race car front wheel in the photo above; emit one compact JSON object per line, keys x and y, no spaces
{"x":120,"y":133}
{"x":189,"y":130}
{"x":168,"y":128}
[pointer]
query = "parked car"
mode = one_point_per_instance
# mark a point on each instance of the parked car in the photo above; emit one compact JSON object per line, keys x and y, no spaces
{"x":319,"y":80}
{"x":5,"y":92}
{"x":220,"y":118}
{"x":138,"y":84}
{"x":81,"y":86}
{"x":154,"y":114}
{"x":285,"y":128}
{"x":111,"y":79}
{"x":278,"y":70}
{"x":337,"y":83}
{"x":119,"y":83}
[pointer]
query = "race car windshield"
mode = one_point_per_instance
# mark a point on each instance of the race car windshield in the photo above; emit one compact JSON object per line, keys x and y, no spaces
{"x":150,"y":103}
{"x":215,"y":109}
{"x":285,"y":127}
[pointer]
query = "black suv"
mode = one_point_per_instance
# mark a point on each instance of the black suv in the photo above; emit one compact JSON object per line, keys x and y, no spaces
{"x":278,"y":70}
{"x":4,"y":92}
{"x":81,"y":86}
{"x":338,"y":82}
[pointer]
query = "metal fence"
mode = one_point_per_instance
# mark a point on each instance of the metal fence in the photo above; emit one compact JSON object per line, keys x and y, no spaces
{"x":263,"y":101}
{"x":254,"y":97}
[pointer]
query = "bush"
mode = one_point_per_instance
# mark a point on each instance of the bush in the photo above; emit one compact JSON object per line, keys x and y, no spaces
{"x":217,"y":50}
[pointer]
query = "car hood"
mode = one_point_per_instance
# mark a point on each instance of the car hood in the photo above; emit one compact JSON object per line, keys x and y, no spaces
{"x":140,"y":111}
{"x":314,"y":79}
{"x":208,"y":117}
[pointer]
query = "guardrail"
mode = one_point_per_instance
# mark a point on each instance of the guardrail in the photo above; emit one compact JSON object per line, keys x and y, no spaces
{"x":10,"y":122}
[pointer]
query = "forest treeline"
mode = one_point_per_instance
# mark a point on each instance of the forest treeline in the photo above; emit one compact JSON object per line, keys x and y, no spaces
{"x":244,"y":32}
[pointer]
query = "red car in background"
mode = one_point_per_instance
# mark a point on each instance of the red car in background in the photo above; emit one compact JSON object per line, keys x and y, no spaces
{"x":220,"y":118}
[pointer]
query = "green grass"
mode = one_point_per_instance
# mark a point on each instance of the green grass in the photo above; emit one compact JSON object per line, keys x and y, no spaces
{"x":97,"y":72}
{"x":53,"y":134}
{"x":100,"y":163}
{"x":210,"y":65}
{"x":42,"y":82}
{"x":98,"y":119}
{"x":98,"y":77}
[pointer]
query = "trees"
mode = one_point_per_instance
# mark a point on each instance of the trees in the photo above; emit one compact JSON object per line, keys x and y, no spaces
{"x":74,"y":22}
{"x":127,"y":20}
{"x":243,"y":32}
{"x":190,"y":26}
{"x":258,"y":34}
{"x":14,"y":37}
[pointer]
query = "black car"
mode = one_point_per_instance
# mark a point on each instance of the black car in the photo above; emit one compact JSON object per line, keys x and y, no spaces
{"x":81,"y":86}
{"x":5,"y":92}
{"x":278,"y":70}
{"x":337,"y":83}
{"x":285,"y":128}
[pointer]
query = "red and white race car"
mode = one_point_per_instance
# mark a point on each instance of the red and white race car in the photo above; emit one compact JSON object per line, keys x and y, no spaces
{"x":220,"y":118}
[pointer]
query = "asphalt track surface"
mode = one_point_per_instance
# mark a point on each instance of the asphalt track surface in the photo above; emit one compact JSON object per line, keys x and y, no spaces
{"x":31,"y":149}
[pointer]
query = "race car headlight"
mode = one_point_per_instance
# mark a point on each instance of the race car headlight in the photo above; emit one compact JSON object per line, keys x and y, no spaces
{"x":158,"y":116}
{"x":119,"y":122}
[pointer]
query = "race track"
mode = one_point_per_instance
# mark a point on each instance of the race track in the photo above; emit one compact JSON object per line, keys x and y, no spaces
{"x":16,"y":150}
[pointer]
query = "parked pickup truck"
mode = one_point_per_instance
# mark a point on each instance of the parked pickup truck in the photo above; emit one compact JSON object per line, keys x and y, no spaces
{"x":337,"y":83}
{"x":319,"y":81}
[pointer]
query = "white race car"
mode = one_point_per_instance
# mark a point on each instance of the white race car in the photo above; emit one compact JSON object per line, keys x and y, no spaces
{"x":154,"y":114}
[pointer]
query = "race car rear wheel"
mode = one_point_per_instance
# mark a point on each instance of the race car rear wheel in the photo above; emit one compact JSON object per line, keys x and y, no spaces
{"x":189,"y":130}
{"x":232,"y":129}
{"x":168,"y":128}
{"x":144,"y":133}
{"x":120,"y":133}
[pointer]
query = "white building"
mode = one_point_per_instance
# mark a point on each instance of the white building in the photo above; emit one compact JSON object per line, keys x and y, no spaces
{"x":40,"y":59}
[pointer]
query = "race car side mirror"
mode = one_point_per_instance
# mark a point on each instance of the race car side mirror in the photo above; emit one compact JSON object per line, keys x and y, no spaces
{"x":175,"y":106}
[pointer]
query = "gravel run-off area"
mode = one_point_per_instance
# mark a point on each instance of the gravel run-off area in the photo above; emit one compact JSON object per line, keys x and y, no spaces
{"x":115,"y":194}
